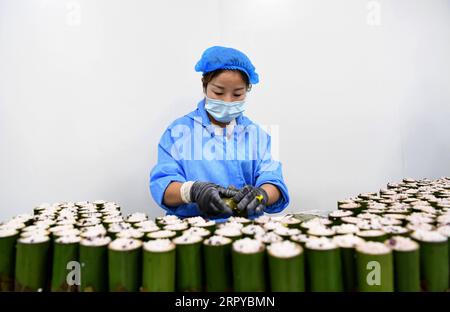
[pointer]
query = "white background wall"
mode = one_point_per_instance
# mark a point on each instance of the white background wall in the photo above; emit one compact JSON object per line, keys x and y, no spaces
{"x":87,"y":88}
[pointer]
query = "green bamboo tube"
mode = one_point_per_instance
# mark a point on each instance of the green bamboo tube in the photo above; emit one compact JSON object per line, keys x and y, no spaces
{"x":315,"y":223}
{"x":16,"y":225}
{"x":168,"y":219}
{"x":252,"y":230}
{"x":406,"y":263}
{"x":232,"y":232}
{"x":198,"y":231}
{"x":207,"y":225}
{"x":136,"y":218}
{"x":32,"y":263}
{"x":324,"y":265}
{"x":115,"y":228}
{"x":347,"y":244}
{"x":159,"y":264}
{"x":163,"y":234}
{"x":291,"y":222}
{"x":269,"y":238}
{"x":344,"y":202}
{"x":237,"y":219}
{"x":147,"y":230}
{"x":301,"y":239}
{"x":434,"y":260}
{"x":8,"y":238}
{"x":217,"y":261}
{"x":94,"y":268}
{"x":189,"y":262}
{"x":374,"y":265}
{"x":373,"y":235}
{"x":396,"y":230}
{"x":108,"y":220}
{"x":27,"y":219}
{"x":353,"y":207}
{"x":248,"y":265}
{"x":91,"y":232}
{"x":261,"y":220}
{"x":286,"y":267}
{"x":91,"y":215}
{"x":286,"y":232}
{"x":131,"y":233}
{"x":178,"y":228}
{"x":445,"y":231}
{"x":125,"y":265}
{"x":65,"y":250}
{"x":146,"y":224}
{"x":233,"y":206}
{"x":321,"y":231}
{"x":337,"y":215}
{"x":345,"y":229}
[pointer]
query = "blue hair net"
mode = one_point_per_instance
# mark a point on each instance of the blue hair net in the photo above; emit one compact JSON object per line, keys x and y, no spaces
{"x":217,"y":57}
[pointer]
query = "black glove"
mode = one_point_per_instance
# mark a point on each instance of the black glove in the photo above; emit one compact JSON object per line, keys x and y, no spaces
{"x":208,"y":198}
{"x":253,"y":199}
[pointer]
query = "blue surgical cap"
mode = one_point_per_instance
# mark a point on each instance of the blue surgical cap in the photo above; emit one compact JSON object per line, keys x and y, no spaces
{"x":217,"y":57}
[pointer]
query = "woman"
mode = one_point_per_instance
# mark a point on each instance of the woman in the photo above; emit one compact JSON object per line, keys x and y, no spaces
{"x":216,"y":152}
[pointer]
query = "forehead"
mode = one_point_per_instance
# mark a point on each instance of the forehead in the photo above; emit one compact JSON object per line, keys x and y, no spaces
{"x":229,"y":79}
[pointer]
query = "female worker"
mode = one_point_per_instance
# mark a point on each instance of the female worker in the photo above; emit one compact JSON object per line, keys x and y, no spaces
{"x":216,"y":152}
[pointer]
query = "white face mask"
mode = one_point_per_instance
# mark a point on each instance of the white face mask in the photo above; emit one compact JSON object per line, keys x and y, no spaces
{"x":224,"y":111}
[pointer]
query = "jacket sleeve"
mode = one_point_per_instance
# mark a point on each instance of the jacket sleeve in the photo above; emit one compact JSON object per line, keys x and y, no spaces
{"x":168,"y":169}
{"x":268,"y":171}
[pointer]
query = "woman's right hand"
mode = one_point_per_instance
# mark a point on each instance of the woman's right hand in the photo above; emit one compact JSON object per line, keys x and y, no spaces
{"x":208,"y":197}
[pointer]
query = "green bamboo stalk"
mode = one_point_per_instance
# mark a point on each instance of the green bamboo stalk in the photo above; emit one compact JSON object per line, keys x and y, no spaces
{"x":163,"y":234}
{"x":233,"y":206}
{"x":353,"y":207}
{"x":189,"y":263}
{"x":373,"y":235}
{"x":65,"y":250}
{"x":32,"y":263}
{"x":178,"y":228}
{"x":324,"y":265}
{"x":94,"y":268}
{"x":336,"y":216}
{"x":291,"y":222}
{"x":434,"y":264}
{"x":374,"y":263}
{"x":230,"y":232}
{"x":347,"y":244}
{"x":8,"y":238}
{"x":445,"y":231}
{"x":159,"y":265}
{"x":217,"y":261}
{"x":248,"y":266}
{"x":407,"y":270}
{"x":348,"y":258}
{"x":125,"y":265}
{"x":287,"y":271}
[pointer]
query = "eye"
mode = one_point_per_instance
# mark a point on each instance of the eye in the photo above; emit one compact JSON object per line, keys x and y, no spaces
{"x":218,"y":93}
{"x":238,"y":95}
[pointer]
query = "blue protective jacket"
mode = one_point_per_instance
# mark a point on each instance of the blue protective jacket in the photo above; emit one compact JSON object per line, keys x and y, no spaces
{"x":189,"y":150}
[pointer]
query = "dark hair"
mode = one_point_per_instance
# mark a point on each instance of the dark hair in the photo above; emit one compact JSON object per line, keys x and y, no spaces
{"x":207,"y":77}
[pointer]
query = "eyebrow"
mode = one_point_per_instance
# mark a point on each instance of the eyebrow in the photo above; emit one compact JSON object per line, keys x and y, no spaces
{"x":220,"y":87}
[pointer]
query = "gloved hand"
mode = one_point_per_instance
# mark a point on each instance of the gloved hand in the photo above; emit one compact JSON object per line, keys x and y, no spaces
{"x":253,"y":199}
{"x":208,"y":198}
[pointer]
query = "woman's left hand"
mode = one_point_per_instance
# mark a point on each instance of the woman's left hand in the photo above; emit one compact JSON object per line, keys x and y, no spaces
{"x":253,"y":199}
